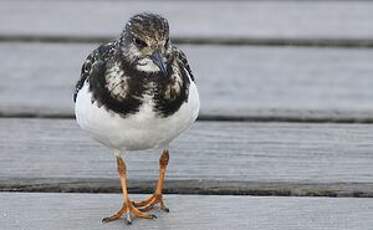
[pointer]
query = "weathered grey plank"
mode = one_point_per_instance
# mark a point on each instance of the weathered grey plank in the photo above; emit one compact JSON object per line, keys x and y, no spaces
{"x":213,"y":157}
{"x":293,"y":19}
{"x":234,"y":82}
{"x":83,"y":211}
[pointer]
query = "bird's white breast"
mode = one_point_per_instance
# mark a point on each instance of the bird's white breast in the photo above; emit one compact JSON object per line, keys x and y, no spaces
{"x":142,"y":130}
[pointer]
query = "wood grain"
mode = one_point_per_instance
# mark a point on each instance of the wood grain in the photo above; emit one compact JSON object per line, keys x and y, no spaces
{"x":268,"y":19}
{"x":234,"y":157}
{"x":250,"y":83}
{"x":84,"y":211}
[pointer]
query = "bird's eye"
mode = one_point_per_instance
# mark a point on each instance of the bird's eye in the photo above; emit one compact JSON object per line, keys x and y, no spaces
{"x":166,"y":44}
{"x":140,"y":43}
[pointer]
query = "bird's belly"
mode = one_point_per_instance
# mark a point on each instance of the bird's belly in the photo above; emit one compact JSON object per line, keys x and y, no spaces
{"x":142,"y":130}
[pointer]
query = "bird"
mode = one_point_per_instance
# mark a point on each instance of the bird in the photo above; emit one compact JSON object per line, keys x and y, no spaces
{"x":137,"y":92}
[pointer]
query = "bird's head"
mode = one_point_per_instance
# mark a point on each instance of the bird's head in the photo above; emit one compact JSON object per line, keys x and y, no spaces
{"x":145,"y":43}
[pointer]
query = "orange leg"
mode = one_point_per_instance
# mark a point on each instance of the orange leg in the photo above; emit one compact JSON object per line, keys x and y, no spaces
{"x":157,"y":197}
{"x":128,"y":209}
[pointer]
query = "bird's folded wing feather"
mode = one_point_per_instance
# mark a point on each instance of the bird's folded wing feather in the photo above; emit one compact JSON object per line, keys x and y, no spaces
{"x":93,"y":65}
{"x":182,"y":57}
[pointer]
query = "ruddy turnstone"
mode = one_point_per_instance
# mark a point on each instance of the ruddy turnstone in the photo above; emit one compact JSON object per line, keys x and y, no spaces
{"x":137,"y":93}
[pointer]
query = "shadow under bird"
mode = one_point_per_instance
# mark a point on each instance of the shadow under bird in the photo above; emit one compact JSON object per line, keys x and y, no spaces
{"x":137,"y":93}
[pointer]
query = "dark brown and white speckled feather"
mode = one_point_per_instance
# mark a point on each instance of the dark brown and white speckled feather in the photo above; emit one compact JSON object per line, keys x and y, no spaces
{"x":120,"y":88}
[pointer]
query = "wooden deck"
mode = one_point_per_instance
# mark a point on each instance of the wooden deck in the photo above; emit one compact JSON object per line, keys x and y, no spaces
{"x":287,"y":115}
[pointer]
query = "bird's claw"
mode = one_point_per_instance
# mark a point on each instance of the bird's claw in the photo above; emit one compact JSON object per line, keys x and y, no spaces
{"x":127,"y":218}
{"x":150,"y":202}
{"x":165,"y":209}
{"x":128,"y":212}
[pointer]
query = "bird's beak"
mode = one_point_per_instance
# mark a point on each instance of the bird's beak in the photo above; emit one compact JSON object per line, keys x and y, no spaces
{"x":157,"y":59}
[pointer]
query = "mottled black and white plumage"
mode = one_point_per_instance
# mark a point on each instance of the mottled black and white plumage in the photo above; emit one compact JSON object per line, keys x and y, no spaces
{"x":138,"y":91}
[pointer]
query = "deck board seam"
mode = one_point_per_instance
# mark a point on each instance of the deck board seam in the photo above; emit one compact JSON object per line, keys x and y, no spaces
{"x":217,"y":40}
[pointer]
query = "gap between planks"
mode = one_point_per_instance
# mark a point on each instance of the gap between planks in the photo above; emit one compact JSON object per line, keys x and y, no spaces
{"x":223,"y":41}
{"x":342,"y":119}
{"x":187,"y":187}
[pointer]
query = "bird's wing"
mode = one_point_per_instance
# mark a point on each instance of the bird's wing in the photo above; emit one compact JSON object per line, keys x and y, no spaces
{"x":183,"y":59}
{"x":94,"y":65}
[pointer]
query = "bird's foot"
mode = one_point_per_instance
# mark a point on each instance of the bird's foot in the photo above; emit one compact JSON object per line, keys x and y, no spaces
{"x":128,"y":211}
{"x":149,"y":203}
